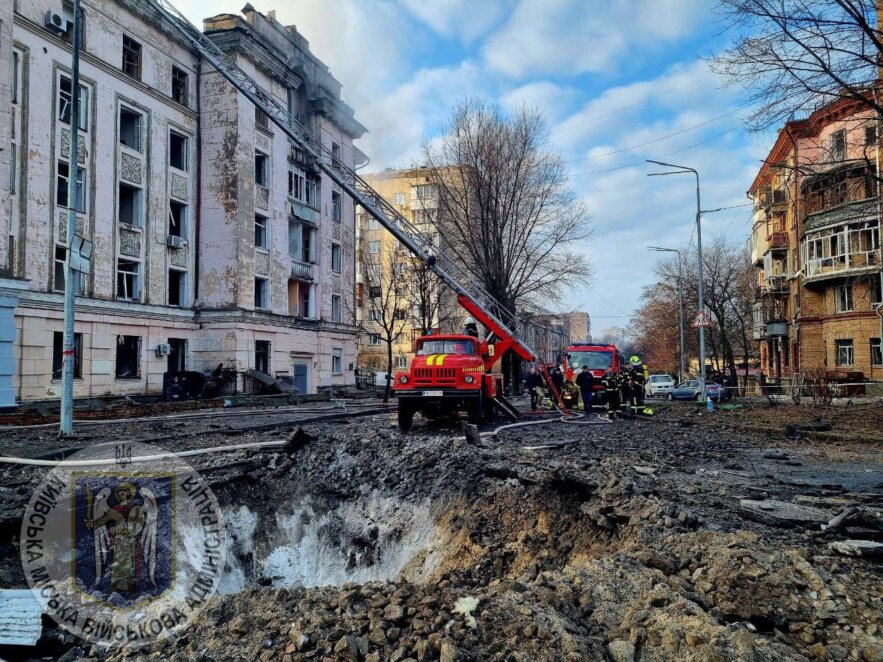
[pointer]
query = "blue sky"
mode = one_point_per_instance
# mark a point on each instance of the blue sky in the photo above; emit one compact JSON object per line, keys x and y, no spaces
{"x":619,"y":82}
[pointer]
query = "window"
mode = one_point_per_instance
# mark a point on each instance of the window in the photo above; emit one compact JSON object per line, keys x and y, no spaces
{"x":15,"y":65}
{"x":177,"y":359}
{"x":424,"y":192}
{"x":128,"y":363}
{"x":297,"y":184}
{"x":306,"y":302}
{"x":130,"y":205}
{"x":261,"y":170}
{"x":336,"y":361}
{"x":128,"y":280}
{"x":178,"y":148}
{"x":130,"y":129}
{"x":401,"y":362}
{"x":335,"y":206}
{"x":177,"y":218}
{"x":374,"y":292}
{"x":131,"y":57}
{"x":373,"y":247}
{"x":308,"y":245}
{"x":58,"y":355}
{"x":838,"y":145}
{"x":61,"y":187}
{"x":179,"y":86}
{"x":399,"y":198}
{"x":335,"y":155}
{"x":336,"y":313}
{"x":13,"y":168}
{"x":400,"y":314}
{"x":373,"y":339}
{"x":845,"y":353}
{"x":335,"y":258}
{"x":64,"y":103}
{"x":260,"y":231}
{"x":261,"y":118}
{"x":870,"y":136}
{"x":373,"y":315}
{"x":177,"y":291}
{"x":843,"y":298}
{"x":58,"y":282}
{"x":261,"y":291}
{"x":262,"y":356}
{"x":874,"y":293}
{"x":876,"y":352}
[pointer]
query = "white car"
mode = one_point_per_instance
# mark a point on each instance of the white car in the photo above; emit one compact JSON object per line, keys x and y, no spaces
{"x":659,"y":386}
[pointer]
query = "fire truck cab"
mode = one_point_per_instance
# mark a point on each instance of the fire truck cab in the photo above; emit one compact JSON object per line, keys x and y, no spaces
{"x":448,"y":374}
{"x":600,"y":359}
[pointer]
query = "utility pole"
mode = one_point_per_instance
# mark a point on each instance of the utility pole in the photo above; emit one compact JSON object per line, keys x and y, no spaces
{"x":682,"y":375}
{"x":68,"y":360}
{"x":679,"y":170}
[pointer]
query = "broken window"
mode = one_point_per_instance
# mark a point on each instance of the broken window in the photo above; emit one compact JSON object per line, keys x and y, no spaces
{"x":845,"y":353}
{"x":16,"y":59}
{"x":261,"y":240}
{"x":876,"y":352}
{"x":62,"y":182}
{"x":179,"y":86}
{"x":336,"y":312}
{"x":870,"y":136}
{"x":178,"y":147}
{"x":131,"y":57}
{"x":60,"y":272}
{"x":261,"y":119}
{"x":128,"y":359}
{"x":297,"y":184}
{"x":261,"y":293}
{"x":843,"y":298}
{"x":335,"y":206}
{"x":177,"y":291}
{"x":308,"y":244}
{"x":335,"y":155}
{"x":177,"y":218}
{"x":130,"y":128}
{"x":336,"y":361}
{"x":373,"y":339}
{"x":261,"y":170}
{"x":335,"y":258}
{"x":838,"y":145}
{"x":58,"y":355}
{"x":65,"y":100}
{"x":875,"y":295}
{"x":262,"y":356}
{"x":177,"y":359}
{"x":128,"y":280}
{"x":130,"y":207}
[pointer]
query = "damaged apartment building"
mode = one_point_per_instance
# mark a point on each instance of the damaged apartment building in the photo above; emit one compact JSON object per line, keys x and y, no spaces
{"x":216,"y":243}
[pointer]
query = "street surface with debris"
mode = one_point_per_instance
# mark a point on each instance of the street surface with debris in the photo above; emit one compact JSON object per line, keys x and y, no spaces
{"x":688,"y":536}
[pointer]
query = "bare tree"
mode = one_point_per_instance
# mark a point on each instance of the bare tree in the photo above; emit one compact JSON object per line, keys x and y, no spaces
{"x":429,"y":300}
{"x":384,"y":301}
{"x":505,"y":208}
{"x":793,"y":55}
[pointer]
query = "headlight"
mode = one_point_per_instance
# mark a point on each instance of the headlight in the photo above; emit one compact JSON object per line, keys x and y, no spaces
{"x":403,"y":379}
{"x":469,"y":379}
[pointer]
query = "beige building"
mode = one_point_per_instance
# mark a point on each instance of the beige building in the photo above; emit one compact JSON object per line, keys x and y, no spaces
{"x":580,"y":326}
{"x":816,"y":247}
{"x":215,"y":241}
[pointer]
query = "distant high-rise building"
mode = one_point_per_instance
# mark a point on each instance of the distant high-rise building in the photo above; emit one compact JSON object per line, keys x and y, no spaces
{"x":580,"y":326}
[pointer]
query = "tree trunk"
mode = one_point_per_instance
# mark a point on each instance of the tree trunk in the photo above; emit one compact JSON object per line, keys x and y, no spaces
{"x":388,"y":371}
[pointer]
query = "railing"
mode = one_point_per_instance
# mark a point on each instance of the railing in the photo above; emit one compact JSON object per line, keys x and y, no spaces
{"x":835,"y":265}
{"x":778,"y":240}
{"x":301,"y":270}
{"x":842,"y":213}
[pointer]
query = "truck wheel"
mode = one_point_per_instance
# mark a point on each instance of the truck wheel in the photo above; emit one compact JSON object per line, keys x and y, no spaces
{"x":406,"y":417}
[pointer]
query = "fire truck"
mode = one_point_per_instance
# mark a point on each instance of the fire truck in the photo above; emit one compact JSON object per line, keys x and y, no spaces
{"x":442,"y":379}
{"x":600,"y":359}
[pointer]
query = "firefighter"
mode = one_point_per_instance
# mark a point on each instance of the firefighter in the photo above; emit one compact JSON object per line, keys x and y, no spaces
{"x":638,"y":387}
{"x":534,"y":384}
{"x":586,"y":383}
{"x":558,"y":380}
{"x":470,"y":328}
{"x":611,"y":387}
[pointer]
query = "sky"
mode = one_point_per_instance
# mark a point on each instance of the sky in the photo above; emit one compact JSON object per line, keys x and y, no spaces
{"x":618,"y":83}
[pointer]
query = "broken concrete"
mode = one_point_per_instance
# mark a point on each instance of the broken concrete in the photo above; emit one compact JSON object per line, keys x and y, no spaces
{"x":782,"y":513}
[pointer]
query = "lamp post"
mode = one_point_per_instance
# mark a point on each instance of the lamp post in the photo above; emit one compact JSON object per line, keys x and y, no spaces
{"x":682,"y":374}
{"x":679,"y":169}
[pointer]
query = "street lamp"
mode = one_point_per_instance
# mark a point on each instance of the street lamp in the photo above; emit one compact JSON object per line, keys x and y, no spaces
{"x":679,"y":169}
{"x":682,"y":374}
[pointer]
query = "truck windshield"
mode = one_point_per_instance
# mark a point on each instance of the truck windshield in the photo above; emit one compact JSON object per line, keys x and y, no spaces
{"x":595,"y":360}
{"x":428,"y":347}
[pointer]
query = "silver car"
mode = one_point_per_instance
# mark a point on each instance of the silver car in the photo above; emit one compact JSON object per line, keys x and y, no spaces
{"x":658,"y":386}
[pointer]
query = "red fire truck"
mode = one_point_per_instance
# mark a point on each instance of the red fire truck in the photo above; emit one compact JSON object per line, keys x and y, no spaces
{"x":600,"y":359}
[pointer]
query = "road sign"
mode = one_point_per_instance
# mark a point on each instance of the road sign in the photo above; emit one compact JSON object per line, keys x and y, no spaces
{"x":702,"y":320}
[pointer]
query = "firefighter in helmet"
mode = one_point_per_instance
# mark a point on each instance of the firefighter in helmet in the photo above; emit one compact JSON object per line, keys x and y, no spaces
{"x":470,"y":328}
{"x":611,"y":388}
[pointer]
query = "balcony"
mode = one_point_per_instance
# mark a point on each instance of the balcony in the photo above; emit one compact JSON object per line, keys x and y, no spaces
{"x":777,"y":241}
{"x":842,"y":213}
{"x":847,"y":250}
{"x":302,"y":270}
{"x":303,"y":211}
{"x":776,"y":283}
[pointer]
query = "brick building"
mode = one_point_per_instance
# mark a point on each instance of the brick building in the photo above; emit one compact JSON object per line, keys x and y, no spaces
{"x":215,"y":241}
{"x":816,"y":246}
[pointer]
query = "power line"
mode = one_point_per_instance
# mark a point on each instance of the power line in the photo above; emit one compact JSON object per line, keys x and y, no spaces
{"x":631,"y":105}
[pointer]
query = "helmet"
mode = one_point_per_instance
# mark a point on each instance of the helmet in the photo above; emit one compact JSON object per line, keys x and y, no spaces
{"x":470,"y":320}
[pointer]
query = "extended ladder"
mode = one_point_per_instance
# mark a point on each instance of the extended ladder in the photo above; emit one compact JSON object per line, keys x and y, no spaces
{"x":419,"y":243}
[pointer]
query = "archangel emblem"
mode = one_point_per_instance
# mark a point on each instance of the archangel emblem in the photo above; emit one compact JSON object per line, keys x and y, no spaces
{"x":117,"y":557}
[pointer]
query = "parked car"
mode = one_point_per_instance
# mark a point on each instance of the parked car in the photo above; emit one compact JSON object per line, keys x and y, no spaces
{"x":659,"y":386}
{"x":692,"y":390}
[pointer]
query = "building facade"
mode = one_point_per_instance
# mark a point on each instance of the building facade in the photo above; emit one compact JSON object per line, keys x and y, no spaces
{"x":816,"y":247}
{"x":215,"y":242}
{"x":580,"y":326}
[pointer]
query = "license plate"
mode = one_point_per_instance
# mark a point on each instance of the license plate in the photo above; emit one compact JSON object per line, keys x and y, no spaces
{"x":433,"y":394}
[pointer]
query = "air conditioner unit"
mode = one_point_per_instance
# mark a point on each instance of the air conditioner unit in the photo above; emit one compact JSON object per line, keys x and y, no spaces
{"x":56,"y":22}
{"x":175,"y":241}
{"x":163,"y":349}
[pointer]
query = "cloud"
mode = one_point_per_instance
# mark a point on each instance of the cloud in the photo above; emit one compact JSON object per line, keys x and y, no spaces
{"x":551,"y":99}
{"x":572,"y":37}
{"x":464,"y":20}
